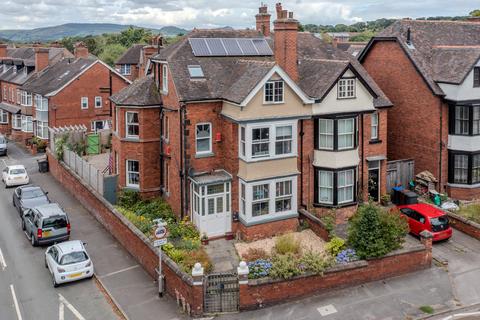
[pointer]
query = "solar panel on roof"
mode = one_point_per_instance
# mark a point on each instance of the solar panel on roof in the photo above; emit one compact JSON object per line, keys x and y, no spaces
{"x":221,"y":47}
{"x":262,"y":47}
{"x":199,"y":47}
{"x":216,"y":46}
{"x":247,"y":47}
{"x":233,"y":49}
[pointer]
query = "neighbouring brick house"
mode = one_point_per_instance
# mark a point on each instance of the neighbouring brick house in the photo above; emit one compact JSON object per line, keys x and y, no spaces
{"x":431,"y":72}
{"x":133,"y":62}
{"x":250,"y":126}
{"x":73,"y":91}
{"x":17,"y":66}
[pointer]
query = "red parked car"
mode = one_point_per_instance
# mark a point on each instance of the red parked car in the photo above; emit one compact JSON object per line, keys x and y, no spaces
{"x":422,"y":216}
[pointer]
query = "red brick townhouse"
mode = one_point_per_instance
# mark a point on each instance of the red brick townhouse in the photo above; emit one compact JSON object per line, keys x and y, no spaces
{"x":133,"y":62}
{"x":431,"y":72}
{"x":17,"y":65}
{"x":250,"y":126}
{"x":73,"y":91}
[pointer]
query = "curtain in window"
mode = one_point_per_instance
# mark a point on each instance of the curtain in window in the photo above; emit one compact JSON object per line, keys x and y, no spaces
{"x":325,"y":184}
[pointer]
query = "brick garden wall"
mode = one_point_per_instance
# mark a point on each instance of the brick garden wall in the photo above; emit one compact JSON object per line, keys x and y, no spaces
{"x":264,"y":292}
{"x":177,"y":282}
{"x":466,"y":226}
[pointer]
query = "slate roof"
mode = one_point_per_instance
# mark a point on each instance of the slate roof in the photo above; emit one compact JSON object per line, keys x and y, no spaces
{"x":55,"y":76}
{"x":132,"y":55}
{"x":442,"y":51}
{"x":10,"y":107}
{"x":18,"y":77}
{"x":142,"y":92}
{"x":233,"y":78}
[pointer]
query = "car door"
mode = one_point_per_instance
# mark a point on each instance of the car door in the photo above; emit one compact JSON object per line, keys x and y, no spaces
{"x":17,"y":195}
{"x":28,"y":219}
{"x":52,"y":258}
{"x":418,"y":222}
{"x":408,"y":213}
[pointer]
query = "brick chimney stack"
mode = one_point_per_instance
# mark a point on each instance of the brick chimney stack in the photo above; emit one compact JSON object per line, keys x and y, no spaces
{"x":473,"y":19}
{"x":41,"y":58}
{"x":285,"y":39}
{"x":263,"y":20}
{"x":3,"y":49}
{"x":80,"y":50}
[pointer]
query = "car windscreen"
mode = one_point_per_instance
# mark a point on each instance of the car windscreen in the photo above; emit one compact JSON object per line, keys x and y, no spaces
{"x":439,"y":223}
{"x":73,"y":257}
{"x":32,"y":193}
{"x":55,"y":222}
{"x":17,"y":171}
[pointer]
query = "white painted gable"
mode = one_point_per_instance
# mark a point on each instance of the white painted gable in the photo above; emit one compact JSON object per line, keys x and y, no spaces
{"x":362,"y":102}
{"x":464,"y":91}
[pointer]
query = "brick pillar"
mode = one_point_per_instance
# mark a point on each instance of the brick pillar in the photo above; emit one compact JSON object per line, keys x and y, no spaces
{"x":426,"y":238}
{"x":242,"y":271}
{"x":196,"y":309}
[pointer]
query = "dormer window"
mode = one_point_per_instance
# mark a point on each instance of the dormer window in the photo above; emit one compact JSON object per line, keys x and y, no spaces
{"x":164,"y":78}
{"x":14,"y":69}
{"x":195,"y":72}
{"x":346,"y":88}
{"x":25,"y":70}
{"x":273,"y":92}
{"x":476,"y":77}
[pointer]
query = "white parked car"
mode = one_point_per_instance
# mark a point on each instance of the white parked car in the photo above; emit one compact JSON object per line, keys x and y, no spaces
{"x":15,"y":176}
{"x":68,"y":261}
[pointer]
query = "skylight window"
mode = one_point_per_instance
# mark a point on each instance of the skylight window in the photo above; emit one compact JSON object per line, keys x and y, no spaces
{"x":195,"y":71}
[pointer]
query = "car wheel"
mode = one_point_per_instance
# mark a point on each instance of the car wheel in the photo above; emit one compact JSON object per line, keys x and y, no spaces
{"x":55,"y":284}
{"x":34,"y":242}
{"x":23,"y":225}
{"x":46,"y":265}
{"x":13,"y":202}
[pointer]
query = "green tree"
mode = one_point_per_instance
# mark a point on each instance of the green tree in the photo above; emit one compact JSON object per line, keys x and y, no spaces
{"x":132,"y":35}
{"x":475,"y":13}
{"x":374,"y":232}
{"x":111,"y":53}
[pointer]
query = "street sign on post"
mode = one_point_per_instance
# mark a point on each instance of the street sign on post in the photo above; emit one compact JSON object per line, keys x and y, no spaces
{"x":160,"y":234}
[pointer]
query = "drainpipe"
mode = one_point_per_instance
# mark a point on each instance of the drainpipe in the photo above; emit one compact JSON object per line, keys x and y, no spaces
{"x":161,"y":150}
{"x":110,"y":91}
{"x":362,"y":154}
{"x":440,"y":178}
{"x":301,"y":164}
{"x":183,"y":156}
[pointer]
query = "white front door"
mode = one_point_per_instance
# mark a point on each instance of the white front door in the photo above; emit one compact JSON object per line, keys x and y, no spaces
{"x":211,"y":208}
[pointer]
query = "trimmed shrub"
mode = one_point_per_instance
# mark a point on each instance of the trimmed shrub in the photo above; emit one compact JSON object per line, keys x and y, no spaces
{"x":335,"y":245}
{"x":285,"y":266}
{"x":374,"y":232}
{"x":314,"y":262}
{"x":128,"y":198}
{"x":287,"y":244}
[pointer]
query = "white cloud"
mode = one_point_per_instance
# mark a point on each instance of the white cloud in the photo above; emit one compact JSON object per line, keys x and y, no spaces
{"x":214,"y":13}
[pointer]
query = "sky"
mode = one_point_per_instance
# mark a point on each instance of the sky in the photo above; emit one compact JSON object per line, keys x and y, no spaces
{"x":27,"y":14}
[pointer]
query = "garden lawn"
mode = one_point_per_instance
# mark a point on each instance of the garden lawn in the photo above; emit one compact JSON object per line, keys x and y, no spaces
{"x":470,"y":212}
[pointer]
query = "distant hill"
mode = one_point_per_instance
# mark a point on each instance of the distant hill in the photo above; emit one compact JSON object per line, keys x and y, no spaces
{"x":75,"y":29}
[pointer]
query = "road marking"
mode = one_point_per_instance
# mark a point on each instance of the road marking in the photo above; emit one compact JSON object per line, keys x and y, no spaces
{"x":61,"y":311}
{"x":70,"y":307}
{"x":327,"y":310}
{"x":15,"y":302}
{"x":3,"y":264}
{"x":119,"y":271}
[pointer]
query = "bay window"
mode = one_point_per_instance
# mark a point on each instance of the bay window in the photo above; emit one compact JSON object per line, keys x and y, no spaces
{"x":42,"y":129}
{"x":17,"y":121}
{"x":335,"y":134}
{"x":465,"y":120}
{"x":133,"y":174}
{"x":132,"y":124}
{"x":464,"y":167}
{"x":27,"y":123}
{"x":26,"y":99}
{"x":335,"y":187}
{"x":41,"y":103}
{"x":3,"y":117}
{"x":268,"y":199}
{"x":267,"y":140}
{"x":260,"y":142}
{"x":203,"y":138}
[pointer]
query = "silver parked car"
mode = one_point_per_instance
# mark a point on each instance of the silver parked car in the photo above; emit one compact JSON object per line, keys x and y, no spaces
{"x":3,"y":145}
{"x":46,"y":224}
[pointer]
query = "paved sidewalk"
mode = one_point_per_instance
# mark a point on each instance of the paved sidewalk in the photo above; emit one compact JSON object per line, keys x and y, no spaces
{"x":129,"y":285}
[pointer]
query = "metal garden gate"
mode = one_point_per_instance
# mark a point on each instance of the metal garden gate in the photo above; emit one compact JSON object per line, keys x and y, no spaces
{"x":221,"y":293}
